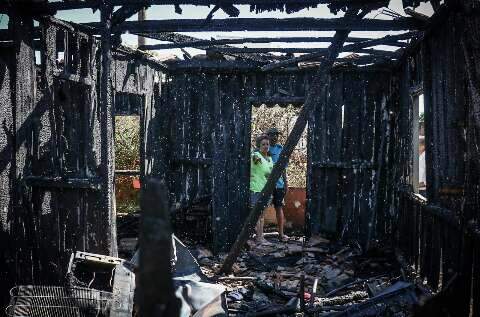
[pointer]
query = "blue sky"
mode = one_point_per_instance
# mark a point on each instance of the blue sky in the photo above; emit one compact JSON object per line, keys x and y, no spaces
{"x":195,"y":12}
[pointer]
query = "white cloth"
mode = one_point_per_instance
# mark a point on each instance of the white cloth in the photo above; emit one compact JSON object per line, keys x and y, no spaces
{"x":422,"y":177}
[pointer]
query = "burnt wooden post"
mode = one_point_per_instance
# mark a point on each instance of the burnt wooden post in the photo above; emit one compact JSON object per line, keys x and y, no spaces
{"x":317,"y":90}
{"x":155,"y":288}
{"x":472,"y":55}
{"x":107,"y":117}
{"x":470,"y":43}
{"x":23,"y":88}
{"x":17,"y":88}
{"x":6,"y":120}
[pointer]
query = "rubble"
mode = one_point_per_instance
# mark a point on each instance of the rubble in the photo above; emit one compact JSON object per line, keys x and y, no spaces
{"x":315,"y":277}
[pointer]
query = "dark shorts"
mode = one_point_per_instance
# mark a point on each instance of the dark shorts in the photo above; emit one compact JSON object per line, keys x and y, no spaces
{"x":278,"y":197}
{"x":254,"y":197}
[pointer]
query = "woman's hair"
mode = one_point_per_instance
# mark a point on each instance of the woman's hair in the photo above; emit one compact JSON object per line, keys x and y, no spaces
{"x":259,"y":140}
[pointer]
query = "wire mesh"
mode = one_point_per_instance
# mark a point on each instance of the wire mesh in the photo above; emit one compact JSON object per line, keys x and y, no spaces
{"x":56,"y":301}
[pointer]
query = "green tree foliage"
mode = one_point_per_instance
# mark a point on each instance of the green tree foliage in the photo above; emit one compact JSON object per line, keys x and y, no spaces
{"x":127,"y":157}
{"x":283,"y":119}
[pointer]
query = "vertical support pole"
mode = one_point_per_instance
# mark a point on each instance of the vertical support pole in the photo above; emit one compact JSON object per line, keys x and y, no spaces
{"x":23,"y":88}
{"x":142,"y":16}
{"x":155,"y":288}
{"x":107,"y":131}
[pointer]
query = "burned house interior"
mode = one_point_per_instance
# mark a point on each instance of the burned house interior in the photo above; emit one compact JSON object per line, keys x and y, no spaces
{"x":372,"y":242}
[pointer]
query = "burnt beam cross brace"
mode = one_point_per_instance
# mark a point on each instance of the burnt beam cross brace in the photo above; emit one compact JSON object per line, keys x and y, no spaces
{"x":351,"y":47}
{"x":317,"y":90}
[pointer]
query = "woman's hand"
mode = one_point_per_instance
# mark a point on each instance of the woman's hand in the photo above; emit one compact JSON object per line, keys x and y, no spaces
{"x":256,"y":159}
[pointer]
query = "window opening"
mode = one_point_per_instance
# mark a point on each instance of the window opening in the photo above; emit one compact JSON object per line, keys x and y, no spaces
{"x":418,"y":137}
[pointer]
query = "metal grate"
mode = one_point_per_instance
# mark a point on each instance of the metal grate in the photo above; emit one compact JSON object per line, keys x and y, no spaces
{"x":30,"y":301}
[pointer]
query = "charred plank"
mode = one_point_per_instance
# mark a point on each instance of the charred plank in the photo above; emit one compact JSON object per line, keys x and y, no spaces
{"x":267,"y":24}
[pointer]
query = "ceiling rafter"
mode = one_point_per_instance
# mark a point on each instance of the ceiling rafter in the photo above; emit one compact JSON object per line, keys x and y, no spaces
{"x":125,"y":12}
{"x":349,"y":47}
{"x":214,"y":42}
{"x":250,"y":50}
{"x":81,"y":4}
{"x":266,"y":24}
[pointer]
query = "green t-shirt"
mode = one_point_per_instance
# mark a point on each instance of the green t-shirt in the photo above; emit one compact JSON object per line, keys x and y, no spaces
{"x":259,"y":172}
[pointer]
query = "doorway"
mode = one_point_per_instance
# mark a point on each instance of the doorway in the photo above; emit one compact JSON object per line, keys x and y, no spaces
{"x":128,"y":108}
{"x":283,"y":118}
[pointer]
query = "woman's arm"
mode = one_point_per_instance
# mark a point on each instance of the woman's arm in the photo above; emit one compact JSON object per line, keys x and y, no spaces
{"x":255,"y":159}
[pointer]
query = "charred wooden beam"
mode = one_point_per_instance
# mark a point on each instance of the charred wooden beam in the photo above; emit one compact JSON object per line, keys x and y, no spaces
{"x":212,"y":43}
{"x":216,"y":65}
{"x":125,"y":12}
{"x":22,"y":83}
{"x":267,"y":24}
{"x":131,"y":53}
{"x":60,"y":182}
{"x":314,"y":96}
{"x":350,"y":47}
{"x":106,"y":121}
{"x":181,"y":38}
{"x":445,"y":215}
{"x":345,"y":165}
{"x":70,"y":26}
{"x":195,"y":161}
{"x":246,"y":66}
{"x":156,"y":294}
{"x":81,"y":4}
{"x":74,"y":78}
{"x":250,"y":50}
{"x":276,"y":100}
{"x":417,"y":15}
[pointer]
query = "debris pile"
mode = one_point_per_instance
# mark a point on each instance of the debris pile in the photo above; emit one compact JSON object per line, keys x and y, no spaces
{"x":314,"y":277}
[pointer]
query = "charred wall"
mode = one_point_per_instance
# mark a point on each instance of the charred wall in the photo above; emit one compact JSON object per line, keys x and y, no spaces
{"x":439,"y":235}
{"x":6,"y":168}
{"x":57,"y":183}
{"x":348,"y":143}
{"x":209,"y":141}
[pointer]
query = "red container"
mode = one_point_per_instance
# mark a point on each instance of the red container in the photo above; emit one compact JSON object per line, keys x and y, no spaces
{"x":294,"y":209}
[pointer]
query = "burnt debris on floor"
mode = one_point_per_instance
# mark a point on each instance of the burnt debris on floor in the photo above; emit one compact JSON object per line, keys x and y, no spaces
{"x":359,"y":102}
{"x":314,"y":277}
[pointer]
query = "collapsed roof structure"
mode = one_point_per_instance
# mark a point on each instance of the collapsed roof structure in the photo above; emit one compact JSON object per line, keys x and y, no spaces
{"x":61,"y":84}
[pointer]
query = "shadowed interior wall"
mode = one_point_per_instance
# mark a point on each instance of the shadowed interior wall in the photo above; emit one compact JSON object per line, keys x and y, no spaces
{"x":348,"y":143}
{"x":52,"y":138}
{"x":439,"y":236}
{"x":209,"y":141}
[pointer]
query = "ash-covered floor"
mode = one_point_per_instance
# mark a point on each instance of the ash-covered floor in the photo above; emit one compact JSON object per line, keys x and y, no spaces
{"x":315,"y":277}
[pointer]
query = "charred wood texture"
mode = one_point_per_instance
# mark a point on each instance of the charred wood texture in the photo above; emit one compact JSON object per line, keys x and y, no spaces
{"x":199,"y":132}
{"x":56,"y":145}
{"x":155,"y":249}
{"x":317,"y":88}
{"x":22,"y":257}
{"x":213,"y":43}
{"x":106,"y":122}
{"x":266,"y":24}
{"x":439,"y":236}
{"x":249,"y":50}
{"x":345,"y":156}
{"x":259,"y":5}
{"x":346,"y":48}
{"x":126,"y":12}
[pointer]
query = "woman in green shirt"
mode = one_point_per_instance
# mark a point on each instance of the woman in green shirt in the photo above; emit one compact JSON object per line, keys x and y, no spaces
{"x":261,"y":165}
